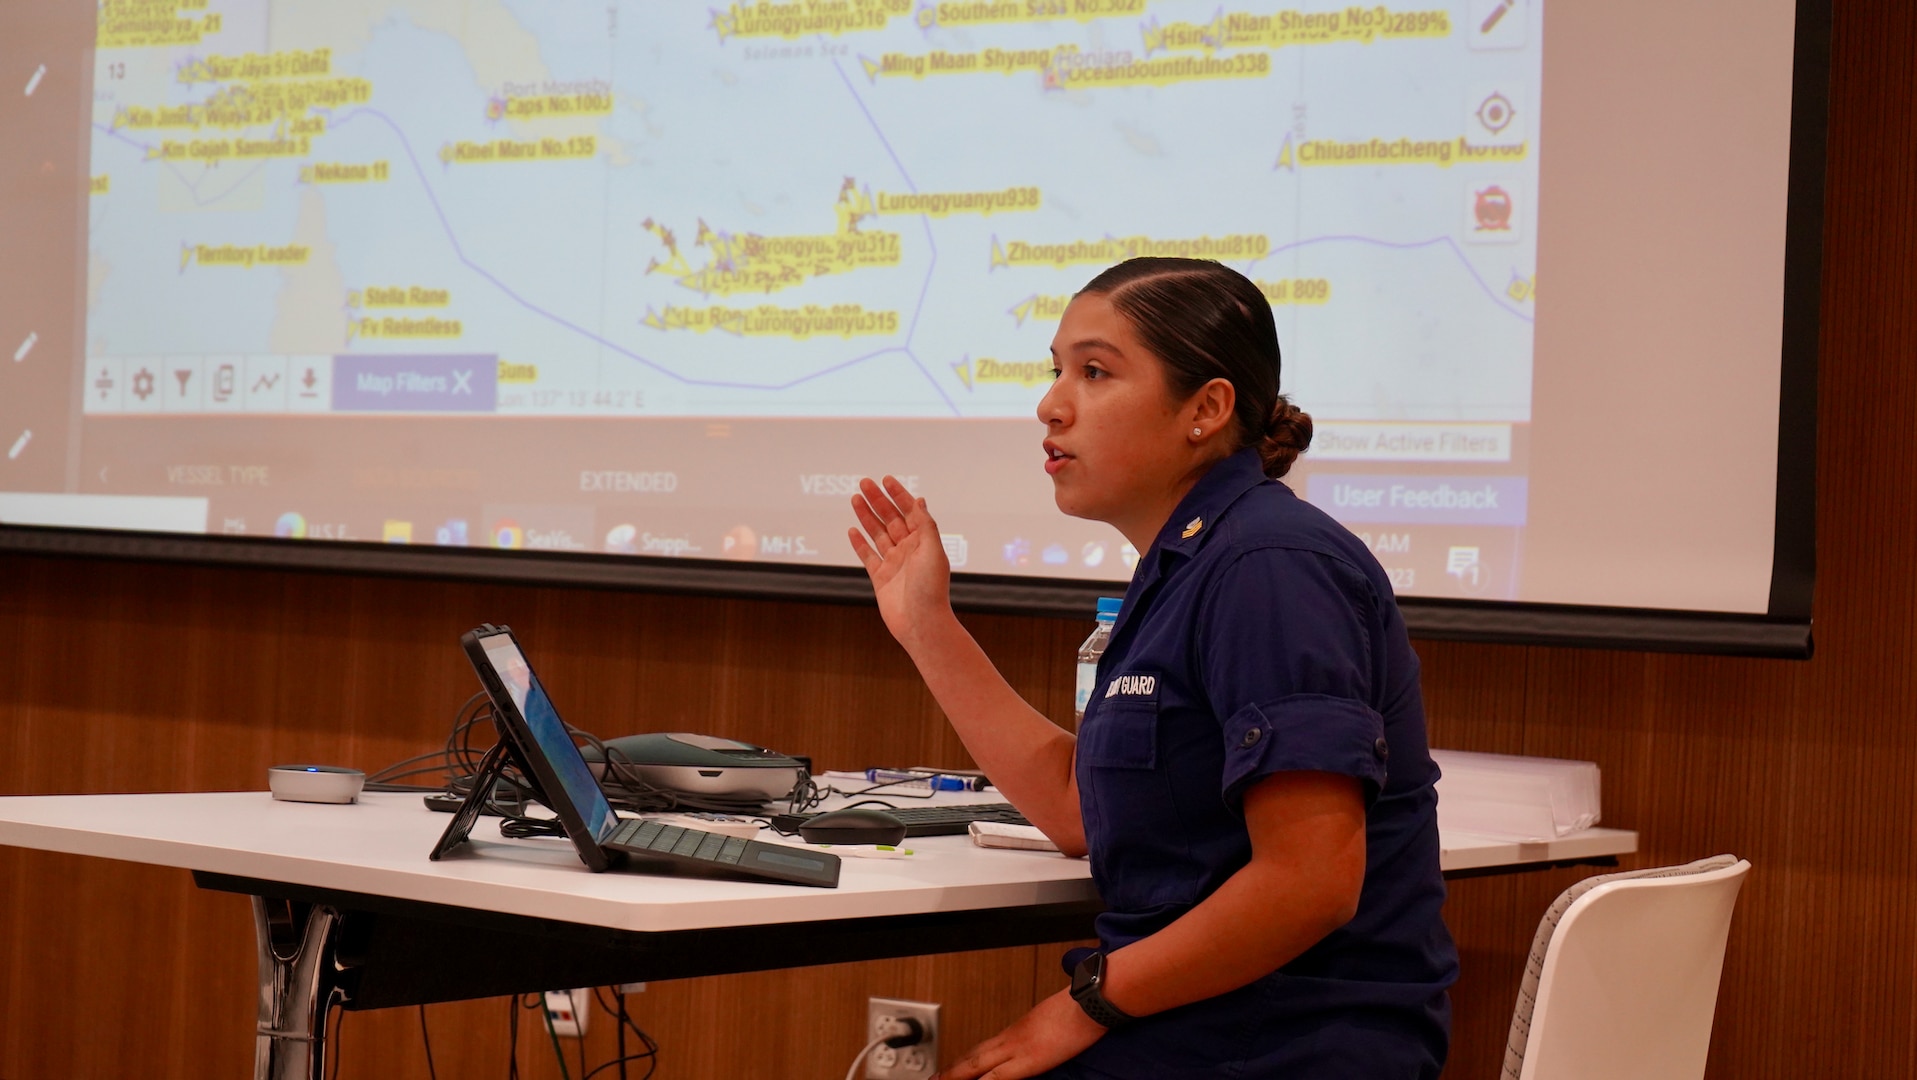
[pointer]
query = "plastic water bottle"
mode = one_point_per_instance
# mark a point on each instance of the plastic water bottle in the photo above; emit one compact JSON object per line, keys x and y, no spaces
{"x":1089,"y":653}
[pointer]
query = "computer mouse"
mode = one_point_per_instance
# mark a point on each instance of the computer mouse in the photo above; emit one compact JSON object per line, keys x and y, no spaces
{"x":853,"y":827}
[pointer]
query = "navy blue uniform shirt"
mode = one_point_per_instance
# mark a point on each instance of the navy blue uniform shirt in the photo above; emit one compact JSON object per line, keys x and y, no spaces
{"x":1260,"y":636}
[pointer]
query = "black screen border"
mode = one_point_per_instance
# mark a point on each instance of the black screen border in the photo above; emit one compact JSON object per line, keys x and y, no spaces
{"x":1635,"y":629}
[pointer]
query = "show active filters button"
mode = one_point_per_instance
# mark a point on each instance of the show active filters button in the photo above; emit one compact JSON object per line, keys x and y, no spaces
{"x":416,"y":384}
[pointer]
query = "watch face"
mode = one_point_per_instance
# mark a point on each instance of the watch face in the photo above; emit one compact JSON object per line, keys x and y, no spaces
{"x":1086,"y":980}
{"x":1088,"y":974}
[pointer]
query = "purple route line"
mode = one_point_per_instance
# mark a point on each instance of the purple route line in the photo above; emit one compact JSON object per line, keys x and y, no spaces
{"x":560,"y":320}
{"x":192,"y":186}
{"x":925,"y":287}
{"x":912,"y":328}
{"x":1373,"y":241}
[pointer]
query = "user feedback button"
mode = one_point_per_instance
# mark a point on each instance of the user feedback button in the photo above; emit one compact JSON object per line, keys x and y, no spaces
{"x":1356,"y":498}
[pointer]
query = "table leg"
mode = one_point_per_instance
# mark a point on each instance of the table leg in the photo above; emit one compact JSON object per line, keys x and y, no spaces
{"x":299,"y":983}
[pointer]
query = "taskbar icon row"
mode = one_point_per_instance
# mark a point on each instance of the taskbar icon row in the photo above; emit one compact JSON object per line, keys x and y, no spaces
{"x":573,"y":529}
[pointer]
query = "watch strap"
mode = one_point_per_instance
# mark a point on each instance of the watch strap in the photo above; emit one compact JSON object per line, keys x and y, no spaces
{"x":1088,"y":991}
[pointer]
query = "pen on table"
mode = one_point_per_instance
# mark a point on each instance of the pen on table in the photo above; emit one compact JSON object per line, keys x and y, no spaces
{"x":937,"y":781}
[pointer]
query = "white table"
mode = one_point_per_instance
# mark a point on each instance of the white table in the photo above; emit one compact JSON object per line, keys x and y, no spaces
{"x":1463,"y":854}
{"x":378,"y":847}
{"x":348,"y":909}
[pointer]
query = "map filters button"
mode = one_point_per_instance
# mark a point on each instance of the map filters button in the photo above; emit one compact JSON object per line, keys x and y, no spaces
{"x":415,"y":384}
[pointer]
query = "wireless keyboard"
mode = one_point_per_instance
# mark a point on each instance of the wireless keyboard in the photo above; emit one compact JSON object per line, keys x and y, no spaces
{"x":710,"y":854}
{"x":926,"y":820}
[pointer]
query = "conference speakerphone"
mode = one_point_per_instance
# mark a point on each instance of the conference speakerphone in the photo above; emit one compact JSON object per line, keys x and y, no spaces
{"x":533,"y":738}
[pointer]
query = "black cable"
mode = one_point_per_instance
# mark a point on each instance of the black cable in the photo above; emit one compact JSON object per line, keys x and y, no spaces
{"x":389,"y":788}
{"x":881,"y":786}
{"x":880,"y":803}
{"x":651,"y":1044}
{"x":818,"y":795}
{"x":618,"y":1027}
{"x":622,"y":782}
{"x":581,"y":1040}
{"x":463,"y":718}
{"x":516,"y":821}
{"x":390,"y":772}
{"x":652,"y":1063}
{"x":339,"y":1025}
{"x":512,"y":1039}
{"x":426,"y":1037}
{"x":628,"y":789}
{"x":520,"y":828}
{"x":423,"y":770}
{"x":625,"y":788}
{"x":557,"y":1054}
{"x":805,"y":795}
{"x":459,"y":745}
{"x":650,"y":1055}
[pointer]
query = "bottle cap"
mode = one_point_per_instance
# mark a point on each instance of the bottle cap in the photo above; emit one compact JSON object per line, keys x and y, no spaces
{"x":1109,"y":605}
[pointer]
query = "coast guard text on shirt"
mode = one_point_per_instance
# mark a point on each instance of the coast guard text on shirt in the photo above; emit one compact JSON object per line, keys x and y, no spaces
{"x":1133,"y":686}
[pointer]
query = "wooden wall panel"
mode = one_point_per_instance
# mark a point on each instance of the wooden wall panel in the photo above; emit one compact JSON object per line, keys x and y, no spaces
{"x":135,"y":677}
{"x":152,"y":678}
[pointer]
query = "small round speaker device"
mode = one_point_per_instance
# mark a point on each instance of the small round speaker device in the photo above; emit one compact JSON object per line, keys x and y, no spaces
{"x":315,"y":783}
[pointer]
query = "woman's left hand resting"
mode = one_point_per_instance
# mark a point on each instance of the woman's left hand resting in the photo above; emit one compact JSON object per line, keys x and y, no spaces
{"x":1051,"y":1034}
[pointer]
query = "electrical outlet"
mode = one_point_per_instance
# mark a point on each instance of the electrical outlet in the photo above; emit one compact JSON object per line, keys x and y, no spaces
{"x":916,"y":1062}
{"x":569,"y":1010}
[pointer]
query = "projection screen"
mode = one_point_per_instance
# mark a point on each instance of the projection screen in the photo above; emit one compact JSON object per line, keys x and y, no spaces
{"x":632,"y":293}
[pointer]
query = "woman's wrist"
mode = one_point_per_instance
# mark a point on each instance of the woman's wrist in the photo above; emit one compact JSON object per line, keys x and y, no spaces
{"x":1119,"y":991}
{"x":933,"y":633}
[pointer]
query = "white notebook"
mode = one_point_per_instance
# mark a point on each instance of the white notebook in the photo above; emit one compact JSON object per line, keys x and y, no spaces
{"x":1000,"y":835}
{"x":1527,"y":799}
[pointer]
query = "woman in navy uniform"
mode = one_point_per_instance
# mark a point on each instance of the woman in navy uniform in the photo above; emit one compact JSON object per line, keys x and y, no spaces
{"x":1251,"y":778}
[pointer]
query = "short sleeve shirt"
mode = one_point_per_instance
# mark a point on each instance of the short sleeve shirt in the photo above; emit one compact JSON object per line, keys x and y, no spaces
{"x":1259,"y":636}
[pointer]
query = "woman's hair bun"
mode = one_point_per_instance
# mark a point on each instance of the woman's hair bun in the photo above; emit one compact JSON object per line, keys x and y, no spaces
{"x":1287,"y":434}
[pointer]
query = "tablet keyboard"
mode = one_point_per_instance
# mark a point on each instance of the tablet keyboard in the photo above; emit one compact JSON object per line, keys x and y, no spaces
{"x":710,"y":854}
{"x":927,"y":820}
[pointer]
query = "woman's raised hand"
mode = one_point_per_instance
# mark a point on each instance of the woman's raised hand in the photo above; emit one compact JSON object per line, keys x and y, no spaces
{"x":899,"y":544}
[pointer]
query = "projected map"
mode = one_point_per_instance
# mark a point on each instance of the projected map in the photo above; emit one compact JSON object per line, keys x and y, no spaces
{"x":840,"y":208}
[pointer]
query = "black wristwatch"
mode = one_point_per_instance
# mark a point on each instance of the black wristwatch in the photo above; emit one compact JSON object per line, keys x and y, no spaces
{"x":1088,"y":989}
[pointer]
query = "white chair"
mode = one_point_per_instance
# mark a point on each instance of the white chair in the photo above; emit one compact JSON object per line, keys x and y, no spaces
{"x":1623,"y":975}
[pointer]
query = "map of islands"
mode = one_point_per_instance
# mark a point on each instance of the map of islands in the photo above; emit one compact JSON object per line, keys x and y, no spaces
{"x":834,"y":208}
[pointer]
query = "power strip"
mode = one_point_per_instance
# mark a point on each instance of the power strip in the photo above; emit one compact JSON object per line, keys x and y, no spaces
{"x":568,"y":1012}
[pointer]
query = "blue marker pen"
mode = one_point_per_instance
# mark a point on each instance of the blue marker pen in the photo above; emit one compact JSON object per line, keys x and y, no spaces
{"x":936,"y":781}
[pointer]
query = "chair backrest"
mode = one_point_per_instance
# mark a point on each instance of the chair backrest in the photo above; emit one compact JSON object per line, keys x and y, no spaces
{"x":1622,"y":980}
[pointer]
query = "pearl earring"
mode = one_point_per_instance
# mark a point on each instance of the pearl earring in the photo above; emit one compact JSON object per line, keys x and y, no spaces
{"x":1196,"y":432}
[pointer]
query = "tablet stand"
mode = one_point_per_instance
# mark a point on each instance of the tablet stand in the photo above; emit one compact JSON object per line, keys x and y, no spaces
{"x":491,"y":768}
